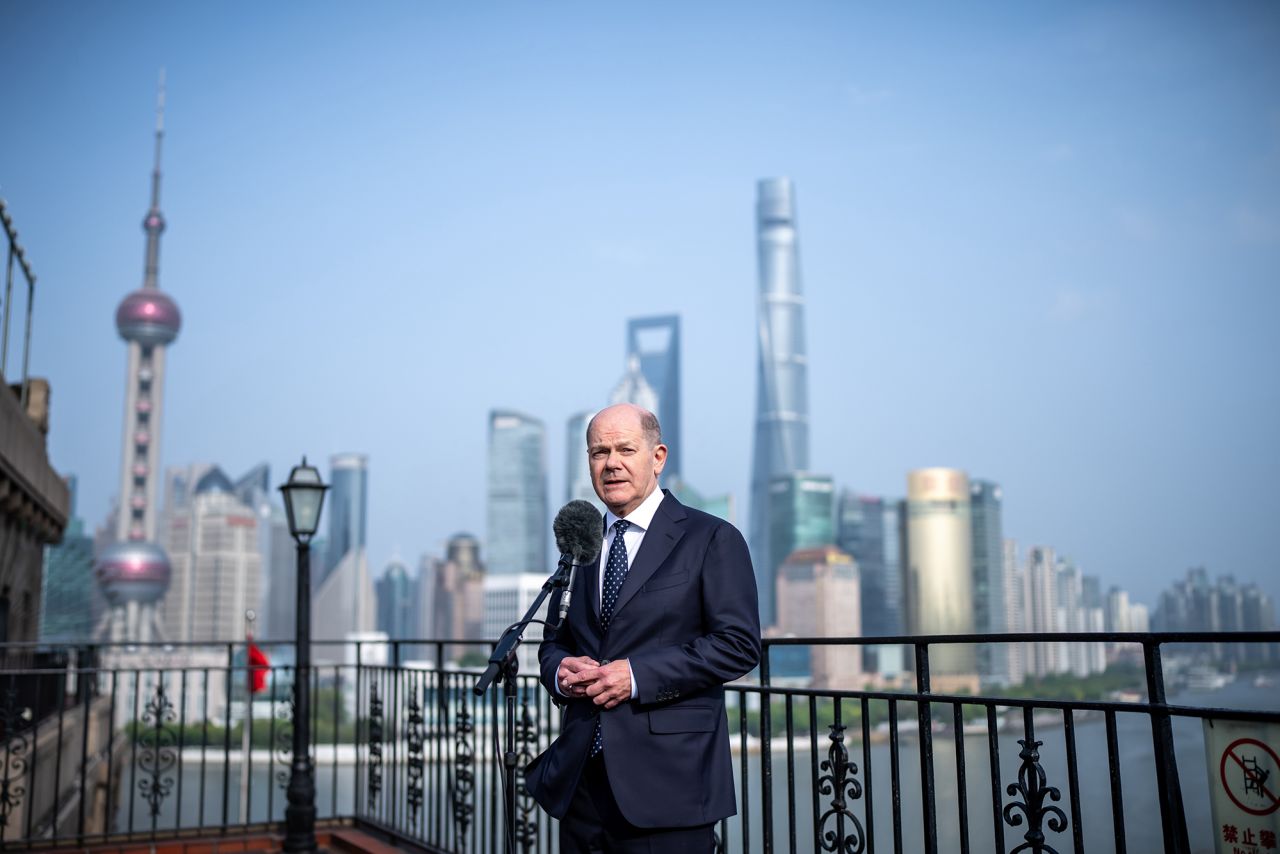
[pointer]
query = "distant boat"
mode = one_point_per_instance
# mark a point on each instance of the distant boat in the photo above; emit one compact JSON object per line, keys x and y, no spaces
{"x":1207,"y":679}
{"x":1262,"y":680}
{"x":1127,"y":696}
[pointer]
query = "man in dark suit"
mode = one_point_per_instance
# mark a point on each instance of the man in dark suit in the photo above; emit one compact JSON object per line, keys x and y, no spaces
{"x":655,"y":629}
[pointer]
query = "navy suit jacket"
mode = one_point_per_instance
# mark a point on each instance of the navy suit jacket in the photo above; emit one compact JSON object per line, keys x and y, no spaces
{"x":687,"y":619}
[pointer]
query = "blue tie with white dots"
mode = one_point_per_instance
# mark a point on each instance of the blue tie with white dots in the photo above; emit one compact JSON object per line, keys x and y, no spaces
{"x":615,"y":570}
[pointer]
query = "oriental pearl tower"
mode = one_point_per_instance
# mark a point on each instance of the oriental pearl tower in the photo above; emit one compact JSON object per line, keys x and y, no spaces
{"x":133,"y":573}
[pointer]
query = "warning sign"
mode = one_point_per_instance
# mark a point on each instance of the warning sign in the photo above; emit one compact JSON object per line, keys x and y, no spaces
{"x":1244,"y":783}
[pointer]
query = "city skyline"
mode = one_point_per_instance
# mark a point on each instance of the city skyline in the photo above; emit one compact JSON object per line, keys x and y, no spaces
{"x":1036,"y":253}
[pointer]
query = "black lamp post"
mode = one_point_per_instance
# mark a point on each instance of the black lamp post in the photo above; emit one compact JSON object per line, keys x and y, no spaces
{"x":303,"y":497}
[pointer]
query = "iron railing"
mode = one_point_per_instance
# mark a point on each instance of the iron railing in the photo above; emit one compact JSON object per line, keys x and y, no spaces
{"x":145,"y":743}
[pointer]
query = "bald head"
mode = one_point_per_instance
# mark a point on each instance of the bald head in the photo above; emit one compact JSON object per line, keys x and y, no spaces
{"x":632,"y":416}
{"x":626,"y":455}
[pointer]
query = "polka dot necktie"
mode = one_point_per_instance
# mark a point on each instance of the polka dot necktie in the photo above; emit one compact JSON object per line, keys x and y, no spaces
{"x":615,"y":570}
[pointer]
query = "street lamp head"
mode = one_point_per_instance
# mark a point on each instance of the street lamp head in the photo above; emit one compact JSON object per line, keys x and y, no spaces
{"x":303,"y":496}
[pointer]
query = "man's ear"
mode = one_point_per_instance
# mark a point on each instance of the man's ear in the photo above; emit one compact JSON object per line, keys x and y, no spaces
{"x":660,"y":458}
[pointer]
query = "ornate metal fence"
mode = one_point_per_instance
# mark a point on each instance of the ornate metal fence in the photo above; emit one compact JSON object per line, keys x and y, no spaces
{"x":145,"y":743}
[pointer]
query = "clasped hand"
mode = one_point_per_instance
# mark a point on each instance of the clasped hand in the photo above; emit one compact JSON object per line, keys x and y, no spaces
{"x":605,"y":685}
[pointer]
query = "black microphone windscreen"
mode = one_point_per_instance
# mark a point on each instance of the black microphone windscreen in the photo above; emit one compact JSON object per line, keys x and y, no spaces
{"x":579,"y":530}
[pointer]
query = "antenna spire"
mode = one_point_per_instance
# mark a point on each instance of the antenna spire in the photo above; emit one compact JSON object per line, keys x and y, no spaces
{"x":155,"y":173}
{"x":153,"y":223}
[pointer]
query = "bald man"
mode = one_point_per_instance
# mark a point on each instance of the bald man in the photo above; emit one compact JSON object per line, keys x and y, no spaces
{"x":655,"y":629}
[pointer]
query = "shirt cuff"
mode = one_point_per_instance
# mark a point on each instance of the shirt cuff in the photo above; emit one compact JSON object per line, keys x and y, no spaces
{"x":635,"y":689}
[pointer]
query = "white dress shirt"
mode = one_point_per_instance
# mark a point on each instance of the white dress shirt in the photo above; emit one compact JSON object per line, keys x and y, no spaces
{"x":641,"y":520}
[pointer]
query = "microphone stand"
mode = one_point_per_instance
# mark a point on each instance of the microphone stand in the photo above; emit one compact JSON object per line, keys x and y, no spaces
{"x":504,"y":663}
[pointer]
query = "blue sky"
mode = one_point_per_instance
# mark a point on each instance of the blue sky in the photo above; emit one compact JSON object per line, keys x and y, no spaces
{"x":1040,"y":243}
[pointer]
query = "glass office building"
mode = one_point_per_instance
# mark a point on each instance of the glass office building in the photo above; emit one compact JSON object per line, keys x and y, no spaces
{"x":802,"y":517}
{"x":989,"y":613}
{"x":346,"y":505}
{"x":867,"y":528}
{"x":398,"y":601}
{"x":66,"y":614}
{"x":655,"y":343}
{"x":517,"y":498}
{"x":782,"y":407}
{"x":577,"y":471}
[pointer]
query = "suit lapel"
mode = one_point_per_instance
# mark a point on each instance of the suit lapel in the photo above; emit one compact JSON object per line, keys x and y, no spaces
{"x":663,"y":534}
{"x":591,"y":575}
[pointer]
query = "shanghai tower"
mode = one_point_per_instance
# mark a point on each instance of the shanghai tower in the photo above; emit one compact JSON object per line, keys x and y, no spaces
{"x":782,"y":405}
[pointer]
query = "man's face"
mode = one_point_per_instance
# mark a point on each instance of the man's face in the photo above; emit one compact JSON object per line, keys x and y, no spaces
{"x":624,"y":467}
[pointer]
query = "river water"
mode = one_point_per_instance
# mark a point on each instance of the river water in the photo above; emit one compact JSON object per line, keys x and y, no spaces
{"x":197,"y":795}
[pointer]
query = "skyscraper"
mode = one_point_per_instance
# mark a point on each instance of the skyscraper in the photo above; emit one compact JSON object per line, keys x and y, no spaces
{"x":343,"y":602}
{"x":654,"y":342}
{"x":277,"y":590}
{"x":66,"y":613}
{"x":1069,"y":616}
{"x":1197,"y":604}
{"x":867,"y":528}
{"x":1041,"y":609}
{"x":1015,"y":602}
{"x":1093,"y":605}
{"x":634,"y":388}
{"x":577,"y":473}
{"x":938,"y":563}
{"x":212,"y":541}
{"x":517,"y":499}
{"x":818,"y":597}
{"x":802,"y":516}
{"x":989,"y":613}
{"x":458,"y":597}
{"x":280,"y":574}
{"x":782,"y":407}
{"x":347,"y":507}
{"x":398,"y":601}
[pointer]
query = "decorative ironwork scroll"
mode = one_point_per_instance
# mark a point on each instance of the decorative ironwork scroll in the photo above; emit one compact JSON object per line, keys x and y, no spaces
{"x":415,"y":738}
{"x":284,"y":740}
{"x":526,"y":829}
{"x":155,"y":746}
{"x":839,"y":829}
{"x":13,"y":722}
{"x":375,"y":746}
{"x":1031,"y":786}
{"x":464,"y":778}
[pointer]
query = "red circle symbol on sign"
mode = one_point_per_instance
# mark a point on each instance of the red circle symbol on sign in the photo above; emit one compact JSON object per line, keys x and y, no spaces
{"x":1248,"y":776}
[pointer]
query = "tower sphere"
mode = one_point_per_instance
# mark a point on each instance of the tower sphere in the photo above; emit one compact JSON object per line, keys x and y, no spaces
{"x":148,"y":316}
{"x":132,"y":572}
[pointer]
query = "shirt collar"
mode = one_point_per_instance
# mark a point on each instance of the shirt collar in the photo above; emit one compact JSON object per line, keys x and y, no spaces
{"x":642,"y":516}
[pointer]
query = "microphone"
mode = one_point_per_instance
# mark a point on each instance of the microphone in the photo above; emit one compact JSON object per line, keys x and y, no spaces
{"x":579,"y":531}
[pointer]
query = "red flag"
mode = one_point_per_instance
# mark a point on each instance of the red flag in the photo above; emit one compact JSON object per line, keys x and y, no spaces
{"x":258,"y":665}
